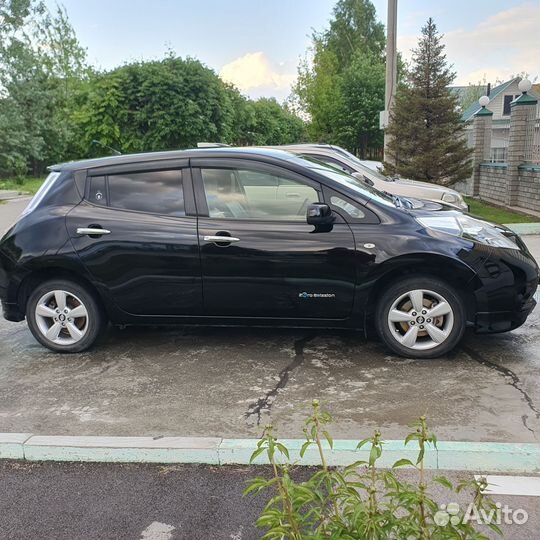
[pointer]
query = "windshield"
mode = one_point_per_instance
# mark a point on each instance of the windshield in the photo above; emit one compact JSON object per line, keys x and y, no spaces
{"x":347,"y":180}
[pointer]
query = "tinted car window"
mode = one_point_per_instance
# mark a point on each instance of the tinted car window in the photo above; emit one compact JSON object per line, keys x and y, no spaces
{"x":352,"y":210}
{"x":255,"y":178}
{"x":98,"y":190}
{"x":159,"y":192}
{"x":233,"y":193}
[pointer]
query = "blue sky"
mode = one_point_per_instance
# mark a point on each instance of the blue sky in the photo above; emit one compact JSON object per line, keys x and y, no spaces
{"x":257,"y":44}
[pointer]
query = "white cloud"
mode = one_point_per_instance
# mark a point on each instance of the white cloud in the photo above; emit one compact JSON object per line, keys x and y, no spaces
{"x":255,"y":74}
{"x":504,"y":44}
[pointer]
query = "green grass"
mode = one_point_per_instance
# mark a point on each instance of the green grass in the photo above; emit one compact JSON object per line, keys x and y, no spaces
{"x":489,"y":212}
{"x":25,"y":184}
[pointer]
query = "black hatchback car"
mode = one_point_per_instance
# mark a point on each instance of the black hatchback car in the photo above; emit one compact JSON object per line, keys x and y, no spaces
{"x":253,"y":237}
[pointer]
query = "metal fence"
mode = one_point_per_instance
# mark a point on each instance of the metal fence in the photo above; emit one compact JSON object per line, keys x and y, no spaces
{"x":500,"y":135}
{"x":532,"y":144}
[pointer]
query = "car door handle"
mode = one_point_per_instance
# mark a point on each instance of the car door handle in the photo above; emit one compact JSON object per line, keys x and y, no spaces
{"x":91,"y":231}
{"x":221,"y":239}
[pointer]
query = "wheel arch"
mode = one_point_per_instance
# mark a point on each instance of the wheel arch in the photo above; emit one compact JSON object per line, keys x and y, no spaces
{"x":40,"y":275}
{"x":452,"y":271}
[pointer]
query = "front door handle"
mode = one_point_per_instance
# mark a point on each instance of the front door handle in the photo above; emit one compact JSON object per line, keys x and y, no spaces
{"x":92,"y":231}
{"x":221,"y":239}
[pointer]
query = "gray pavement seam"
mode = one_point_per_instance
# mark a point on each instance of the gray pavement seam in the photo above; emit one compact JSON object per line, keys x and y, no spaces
{"x":515,"y":381}
{"x":265,"y":403}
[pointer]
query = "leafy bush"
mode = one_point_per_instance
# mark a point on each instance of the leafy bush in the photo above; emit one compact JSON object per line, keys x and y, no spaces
{"x":360,"y":501}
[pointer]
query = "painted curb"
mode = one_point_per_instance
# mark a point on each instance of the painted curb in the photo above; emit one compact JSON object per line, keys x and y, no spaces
{"x":12,"y":445}
{"x":449,"y":455}
{"x":524,"y":229}
{"x":508,"y":457}
{"x":344,"y":452}
{"x":123,"y":449}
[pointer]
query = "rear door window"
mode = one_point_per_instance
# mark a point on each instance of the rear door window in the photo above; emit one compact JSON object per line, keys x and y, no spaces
{"x":157,"y":192}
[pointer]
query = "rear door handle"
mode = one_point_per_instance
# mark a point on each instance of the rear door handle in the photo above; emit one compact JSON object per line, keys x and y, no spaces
{"x":221,"y":239}
{"x":91,"y":231}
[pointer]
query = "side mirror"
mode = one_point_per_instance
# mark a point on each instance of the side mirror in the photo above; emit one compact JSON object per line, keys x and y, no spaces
{"x":368,"y":181}
{"x":320,"y":214}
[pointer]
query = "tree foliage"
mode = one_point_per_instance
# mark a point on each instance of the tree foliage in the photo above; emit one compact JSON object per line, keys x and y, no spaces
{"x":42,"y":66}
{"x":176,"y":103}
{"x":426,"y":130}
{"x":341,"y":88}
{"x":53,"y":106}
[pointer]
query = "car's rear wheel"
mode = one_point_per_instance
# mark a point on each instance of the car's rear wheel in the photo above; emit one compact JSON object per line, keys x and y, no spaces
{"x":64,"y":316}
{"x":420,"y":317}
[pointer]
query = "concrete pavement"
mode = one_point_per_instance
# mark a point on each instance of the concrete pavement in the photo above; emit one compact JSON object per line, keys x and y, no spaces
{"x":230,"y":382}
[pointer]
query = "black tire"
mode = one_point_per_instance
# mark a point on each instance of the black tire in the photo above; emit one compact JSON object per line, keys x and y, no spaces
{"x":94,"y":321}
{"x":455,"y":320}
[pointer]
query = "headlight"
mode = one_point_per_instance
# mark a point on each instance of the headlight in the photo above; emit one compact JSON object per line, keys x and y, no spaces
{"x":452,"y":197}
{"x":468,"y":227}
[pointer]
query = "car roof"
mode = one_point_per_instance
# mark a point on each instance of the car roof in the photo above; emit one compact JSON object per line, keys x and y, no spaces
{"x":310,"y":146}
{"x":125,"y":159}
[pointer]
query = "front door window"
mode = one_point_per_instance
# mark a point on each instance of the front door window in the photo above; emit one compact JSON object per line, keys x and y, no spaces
{"x":256,"y":195}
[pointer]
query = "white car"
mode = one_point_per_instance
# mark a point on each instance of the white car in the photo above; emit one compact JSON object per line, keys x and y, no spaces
{"x":340,"y":158}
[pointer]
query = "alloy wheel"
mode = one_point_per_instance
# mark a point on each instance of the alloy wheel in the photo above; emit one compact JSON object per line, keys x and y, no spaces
{"x":421,"y":319}
{"x":61,"y":317}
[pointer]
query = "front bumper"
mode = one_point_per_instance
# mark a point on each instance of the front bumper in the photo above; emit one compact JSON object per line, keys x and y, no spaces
{"x":503,"y":321}
{"x":506,"y":297}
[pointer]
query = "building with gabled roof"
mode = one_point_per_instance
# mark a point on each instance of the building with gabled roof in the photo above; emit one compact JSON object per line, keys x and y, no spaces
{"x":501,"y":97}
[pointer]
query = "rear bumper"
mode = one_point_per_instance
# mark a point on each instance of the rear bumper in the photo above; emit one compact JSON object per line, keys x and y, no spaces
{"x":12,"y":312}
{"x":8,"y":289}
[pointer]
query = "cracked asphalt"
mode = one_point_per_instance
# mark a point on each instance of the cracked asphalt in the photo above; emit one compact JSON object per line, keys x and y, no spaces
{"x":230,"y":382}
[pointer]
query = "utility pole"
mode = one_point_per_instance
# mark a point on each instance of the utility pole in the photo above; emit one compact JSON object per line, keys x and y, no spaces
{"x":391,"y":69}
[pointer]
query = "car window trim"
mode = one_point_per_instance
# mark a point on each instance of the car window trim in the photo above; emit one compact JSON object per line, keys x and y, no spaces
{"x":146,"y":166}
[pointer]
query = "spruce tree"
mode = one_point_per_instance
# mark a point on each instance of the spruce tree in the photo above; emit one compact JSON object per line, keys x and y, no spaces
{"x":427,"y":133}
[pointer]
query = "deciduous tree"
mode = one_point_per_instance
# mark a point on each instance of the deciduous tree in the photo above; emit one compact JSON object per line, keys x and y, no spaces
{"x":341,"y":87}
{"x":41,"y":69}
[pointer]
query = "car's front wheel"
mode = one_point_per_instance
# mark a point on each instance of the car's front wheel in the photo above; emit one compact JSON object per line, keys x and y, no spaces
{"x":420,"y":317}
{"x":64,"y":316}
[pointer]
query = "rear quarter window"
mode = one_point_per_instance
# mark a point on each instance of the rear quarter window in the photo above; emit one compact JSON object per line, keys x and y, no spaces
{"x":97,"y":193}
{"x":41,"y":192}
